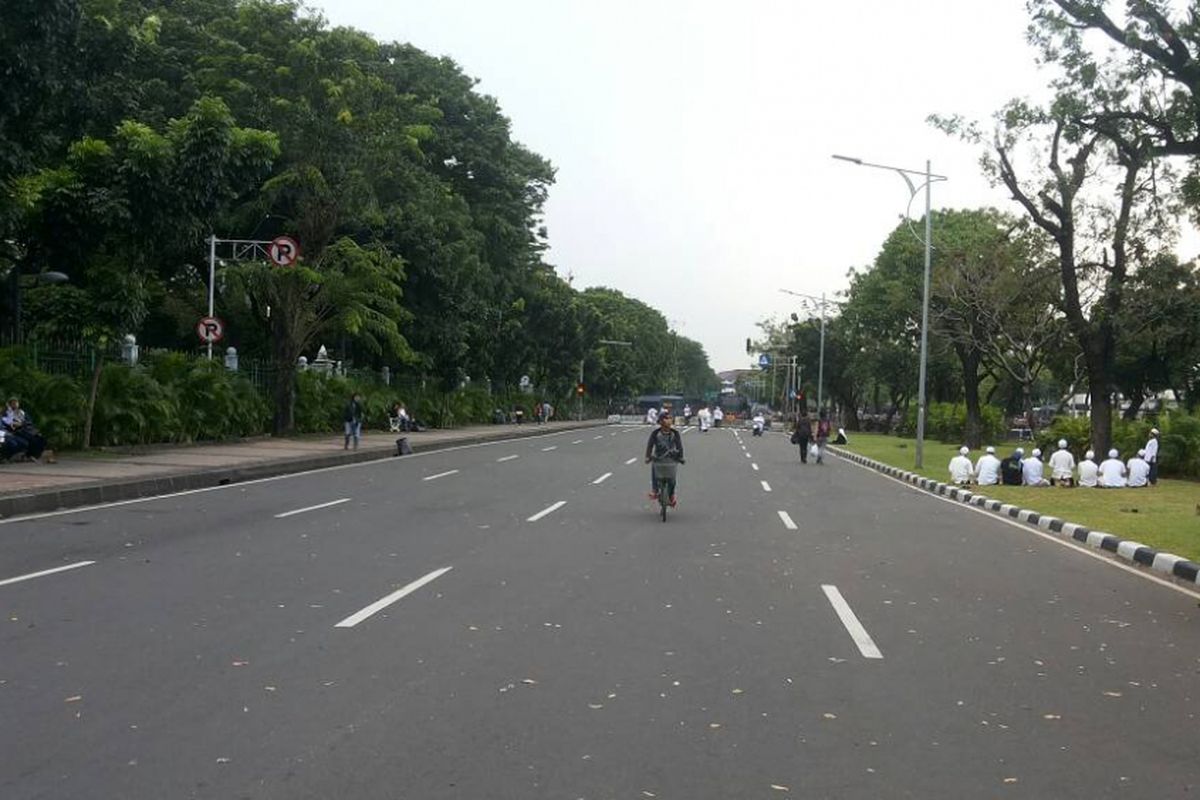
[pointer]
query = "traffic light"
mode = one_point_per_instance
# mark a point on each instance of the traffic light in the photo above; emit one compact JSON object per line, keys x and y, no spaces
{"x":747,"y":345}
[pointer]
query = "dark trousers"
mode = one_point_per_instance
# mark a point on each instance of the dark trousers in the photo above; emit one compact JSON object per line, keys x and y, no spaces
{"x":1153,"y":472}
{"x":803,"y":449}
{"x":31,"y":443}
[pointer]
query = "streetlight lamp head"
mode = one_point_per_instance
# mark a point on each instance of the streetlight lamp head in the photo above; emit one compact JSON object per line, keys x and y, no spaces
{"x":851,"y":159}
{"x":53,"y":277}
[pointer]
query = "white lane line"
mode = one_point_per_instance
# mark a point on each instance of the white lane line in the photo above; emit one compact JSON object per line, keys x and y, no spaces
{"x":630,"y":461}
{"x":766,"y":486}
{"x":33,"y":575}
{"x":595,"y":438}
{"x":384,"y":602}
{"x":788,"y":522}
{"x":602,"y":478}
{"x":312,"y":508}
{"x":545,"y":511}
{"x":548,"y":449}
{"x":577,"y":441}
{"x":506,"y":458}
{"x":754,"y":466}
{"x":440,"y":475}
{"x":857,"y":632}
{"x":748,"y":455}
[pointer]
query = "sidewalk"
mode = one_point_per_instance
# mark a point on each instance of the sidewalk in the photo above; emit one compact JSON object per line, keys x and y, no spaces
{"x":107,"y":476}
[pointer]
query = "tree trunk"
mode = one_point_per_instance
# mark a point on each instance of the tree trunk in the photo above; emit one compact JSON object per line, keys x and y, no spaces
{"x":1027,"y":405}
{"x":91,"y":407}
{"x":284,"y":422}
{"x":973,"y":435}
{"x":1135,"y":405}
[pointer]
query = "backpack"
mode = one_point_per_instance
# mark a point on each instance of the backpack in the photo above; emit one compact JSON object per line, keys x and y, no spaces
{"x":664,"y":446}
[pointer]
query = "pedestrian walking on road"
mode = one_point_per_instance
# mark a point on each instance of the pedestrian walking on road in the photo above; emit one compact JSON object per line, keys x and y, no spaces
{"x":801,"y":433}
{"x":352,"y":418}
{"x":822,"y":435}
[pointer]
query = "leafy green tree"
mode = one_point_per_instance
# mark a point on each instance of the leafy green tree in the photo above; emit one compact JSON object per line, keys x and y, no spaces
{"x":349,"y":287}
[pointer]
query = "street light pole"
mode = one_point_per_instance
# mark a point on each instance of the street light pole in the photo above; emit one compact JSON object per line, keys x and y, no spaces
{"x":913,"y":191}
{"x":821,"y":361}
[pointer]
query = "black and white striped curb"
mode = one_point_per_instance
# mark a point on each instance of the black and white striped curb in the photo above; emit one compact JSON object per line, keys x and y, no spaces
{"x":1135,"y":552}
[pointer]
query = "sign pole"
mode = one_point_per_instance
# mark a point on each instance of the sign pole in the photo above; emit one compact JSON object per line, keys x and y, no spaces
{"x":212,"y":273}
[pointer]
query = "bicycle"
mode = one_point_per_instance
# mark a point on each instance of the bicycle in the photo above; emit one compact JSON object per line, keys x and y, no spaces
{"x":664,"y":477}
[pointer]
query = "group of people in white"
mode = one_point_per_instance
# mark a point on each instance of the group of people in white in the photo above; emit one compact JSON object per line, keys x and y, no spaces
{"x":1018,"y":470}
{"x":705,"y":418}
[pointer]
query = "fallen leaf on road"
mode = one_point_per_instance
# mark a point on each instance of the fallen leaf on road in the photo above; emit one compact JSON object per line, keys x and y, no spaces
{"x":529,"y":682}
{"x":269,"y":688}
{"x":1112,"y":694}
{"x":714,"y":725}
{"x":738,"y":691}
{"x":827,"y":715}
{"x":595,"y":706}
{"x":1051,"y":716}
{"x":241,"y":663}
{"x":223,"y":760}
{"x":1010,"y":780}
{"x":75,"y":698}
{"x":779,"y":788}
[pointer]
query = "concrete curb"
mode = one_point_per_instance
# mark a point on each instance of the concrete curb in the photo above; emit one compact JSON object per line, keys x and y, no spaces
{"x":1128,"y":550}
{"x":99,"y":492}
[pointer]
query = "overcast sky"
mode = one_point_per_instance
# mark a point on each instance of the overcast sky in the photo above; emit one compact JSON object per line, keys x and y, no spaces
{"x":692,"y":139}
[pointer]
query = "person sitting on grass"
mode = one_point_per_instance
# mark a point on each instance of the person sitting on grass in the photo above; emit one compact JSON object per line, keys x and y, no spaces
{"x":1112,"y":471}
{"x":1033,"y":470}
{"x":1062,"y":466}
{"x":961,"y":468}
{"x":1139,"y":471}
{"x":1089,"y":471}
{"x":1010,"y":468}
{"x":987,"y":471}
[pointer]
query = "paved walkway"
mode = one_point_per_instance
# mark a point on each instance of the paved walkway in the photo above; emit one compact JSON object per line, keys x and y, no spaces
{"x":106,"y":475}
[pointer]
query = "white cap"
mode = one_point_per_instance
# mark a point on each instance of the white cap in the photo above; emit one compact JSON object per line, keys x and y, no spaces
{"x":1141,"y":453}
{"x":991,"y":450}
{"x":1113,"y":453}
{"x":1037,"y":453}
{"x":1154,"y":431}
{"x":1020,"y":451}
{"x":962,"y":451}
{"x":1062,"y":444}
{"x":1089,"y":455}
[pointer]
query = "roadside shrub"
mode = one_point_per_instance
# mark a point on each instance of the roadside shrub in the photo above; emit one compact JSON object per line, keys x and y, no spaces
{"x":1179,"y":448}
{"x":133,"y":408}
{"x":947,"y":422}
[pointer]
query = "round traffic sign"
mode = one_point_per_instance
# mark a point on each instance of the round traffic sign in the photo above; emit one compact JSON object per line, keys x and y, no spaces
{"x":210,"y":329}
{"x":283,"y":251}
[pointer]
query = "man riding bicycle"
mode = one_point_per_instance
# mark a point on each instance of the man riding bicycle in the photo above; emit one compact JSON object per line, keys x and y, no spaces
{"x":665,"y":446}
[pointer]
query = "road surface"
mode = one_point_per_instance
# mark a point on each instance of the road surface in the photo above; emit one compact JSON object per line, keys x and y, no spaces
{"x":511,"y":620}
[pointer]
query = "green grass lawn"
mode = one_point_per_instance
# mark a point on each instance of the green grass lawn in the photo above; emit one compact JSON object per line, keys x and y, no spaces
{"x":1165,"y":517}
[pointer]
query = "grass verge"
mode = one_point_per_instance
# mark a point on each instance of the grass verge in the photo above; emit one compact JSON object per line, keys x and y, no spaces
{"x":1165,"y":517}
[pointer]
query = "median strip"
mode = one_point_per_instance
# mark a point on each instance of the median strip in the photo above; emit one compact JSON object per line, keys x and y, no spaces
{"x":384,"y":602}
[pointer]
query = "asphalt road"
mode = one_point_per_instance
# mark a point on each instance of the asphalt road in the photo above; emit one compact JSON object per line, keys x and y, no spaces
{"x":229,"y":643}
